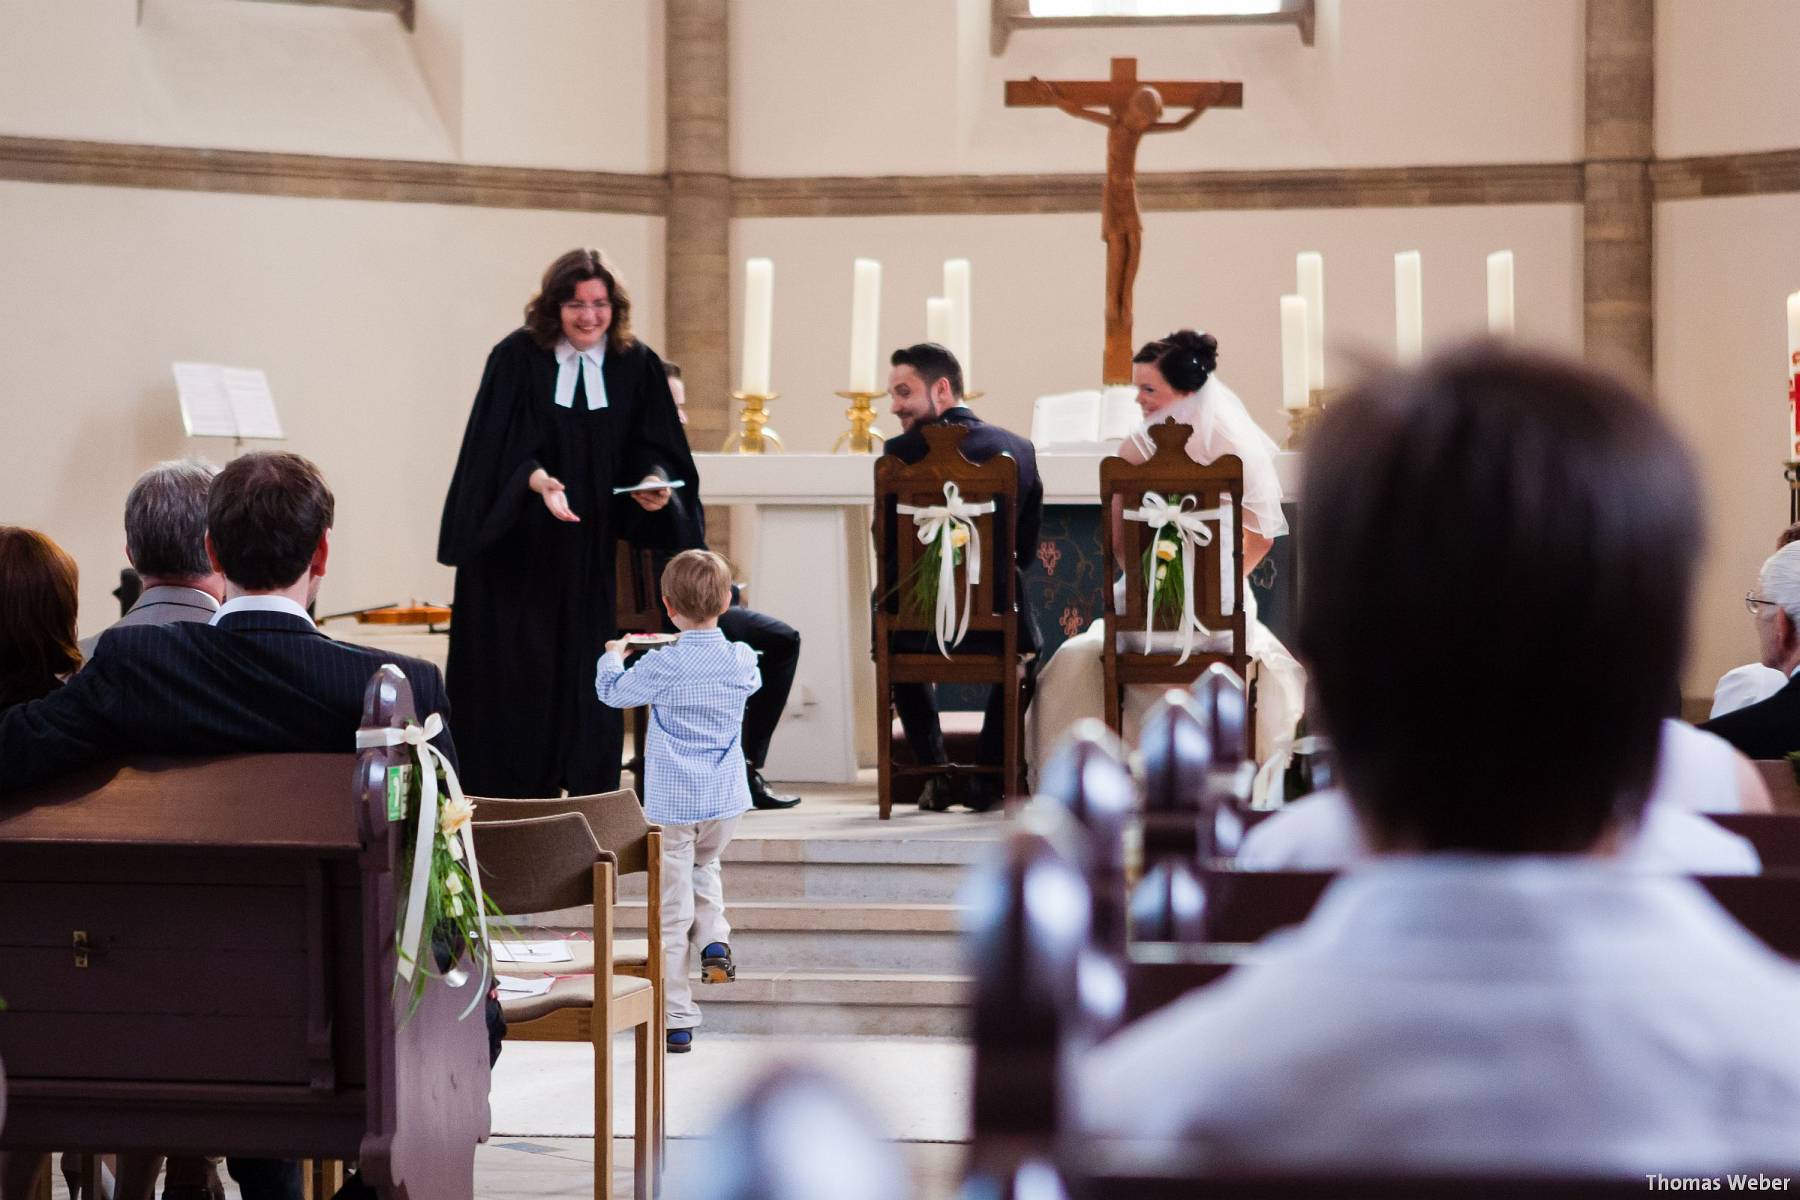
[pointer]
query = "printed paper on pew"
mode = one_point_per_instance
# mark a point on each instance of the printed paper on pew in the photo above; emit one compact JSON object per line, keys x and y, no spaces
{"x":512,"y":985}
{"x":533,"y":952}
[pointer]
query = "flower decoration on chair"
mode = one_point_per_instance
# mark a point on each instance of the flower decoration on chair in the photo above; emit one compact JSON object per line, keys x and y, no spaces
{"x":951,"y":539}
{"x":1178,"y":527}
{"x":441,"y":899}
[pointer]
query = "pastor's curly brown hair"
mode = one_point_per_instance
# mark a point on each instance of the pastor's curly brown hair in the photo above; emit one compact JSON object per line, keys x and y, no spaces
{"x":543,"y":313}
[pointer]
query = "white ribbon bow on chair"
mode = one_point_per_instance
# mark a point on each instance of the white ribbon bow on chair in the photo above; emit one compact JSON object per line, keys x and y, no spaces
{"x":414,"y":938}
{"x":1191,"y":525}
{"x":937,"y":523}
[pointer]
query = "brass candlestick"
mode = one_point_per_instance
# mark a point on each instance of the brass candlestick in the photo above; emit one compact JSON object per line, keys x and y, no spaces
{"x":862,"y":436}
{"x":1302,"y":420}
{"x":755,"y":436}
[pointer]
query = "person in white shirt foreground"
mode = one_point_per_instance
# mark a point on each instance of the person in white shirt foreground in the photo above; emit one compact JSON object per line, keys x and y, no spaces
{"x":1499,"y":553}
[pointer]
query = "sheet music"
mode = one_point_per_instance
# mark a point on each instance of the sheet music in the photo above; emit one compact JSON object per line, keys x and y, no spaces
{"x":205,"y":407}
{"x":533,"y":952}
{"x":1067,"y":418}
{"x":233,"y":402}
{"x":252,"y":404}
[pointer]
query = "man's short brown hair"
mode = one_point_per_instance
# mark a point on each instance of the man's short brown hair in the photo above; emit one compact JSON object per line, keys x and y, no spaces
{"x":265,"y":514}
{"x":697,"y":584}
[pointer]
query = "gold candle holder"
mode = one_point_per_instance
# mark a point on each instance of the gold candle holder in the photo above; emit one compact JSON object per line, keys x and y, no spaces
{"x":1302,"y":420}
{"x":862,"y":436}
{"x":754,"y":435}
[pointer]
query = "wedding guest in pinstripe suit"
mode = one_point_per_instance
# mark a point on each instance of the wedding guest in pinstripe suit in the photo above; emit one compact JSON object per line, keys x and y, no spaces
{"x":165,"y":540}
{"x":259,"y":676}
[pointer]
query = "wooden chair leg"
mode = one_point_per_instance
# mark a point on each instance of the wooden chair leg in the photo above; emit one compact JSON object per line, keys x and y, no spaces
{"x":1011,"y":711}
{"x":600,"y":1032}
{"x":643,"y":1150}
{"x":90,"y":1177}
{"x":884,"y":738}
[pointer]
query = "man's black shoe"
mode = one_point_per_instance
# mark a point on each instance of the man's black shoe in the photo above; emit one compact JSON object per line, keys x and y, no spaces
{"x":762,"y":797}
{"x":980,"y":794}
{"x":938,"y":794}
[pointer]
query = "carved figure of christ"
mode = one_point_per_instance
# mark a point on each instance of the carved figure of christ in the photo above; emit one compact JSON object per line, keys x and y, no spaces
{"x":1129,"y":108}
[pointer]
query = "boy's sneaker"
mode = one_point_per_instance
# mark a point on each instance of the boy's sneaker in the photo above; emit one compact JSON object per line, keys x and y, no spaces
{"x":716,"y":965}
{"x":679,"y":1041}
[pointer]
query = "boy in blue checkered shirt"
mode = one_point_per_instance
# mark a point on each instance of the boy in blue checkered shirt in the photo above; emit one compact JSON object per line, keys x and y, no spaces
{"x":694,"y":762}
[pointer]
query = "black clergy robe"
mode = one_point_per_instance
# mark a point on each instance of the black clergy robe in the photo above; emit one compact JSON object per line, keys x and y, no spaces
{"x":534,"y":596}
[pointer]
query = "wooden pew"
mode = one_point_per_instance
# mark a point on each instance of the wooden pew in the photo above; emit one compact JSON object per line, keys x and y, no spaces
{"x":199,"y":958}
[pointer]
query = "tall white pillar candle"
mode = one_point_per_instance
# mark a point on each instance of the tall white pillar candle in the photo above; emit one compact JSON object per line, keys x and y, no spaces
{"x":1500,"y":293}
{"x":1409,"y":307}
{"x":937,"y":321}
{"x":759,"y":303}
{"x":1310,"y":267}
{"x":957,"y":292}
{"x":865,"y":322}
{"x":1295,"y":320}
{"x":1793,"y":322}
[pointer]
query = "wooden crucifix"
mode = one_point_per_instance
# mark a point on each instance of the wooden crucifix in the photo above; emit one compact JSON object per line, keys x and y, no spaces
{"x":1129,"y":107}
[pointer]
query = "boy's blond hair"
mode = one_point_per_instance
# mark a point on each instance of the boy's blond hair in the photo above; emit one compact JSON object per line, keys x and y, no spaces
{"x":697,"y":584}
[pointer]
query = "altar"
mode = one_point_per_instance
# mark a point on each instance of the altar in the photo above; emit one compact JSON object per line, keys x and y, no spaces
{"x":810,"y":564}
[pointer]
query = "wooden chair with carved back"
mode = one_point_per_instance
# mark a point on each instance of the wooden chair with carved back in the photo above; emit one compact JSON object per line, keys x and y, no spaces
{"x":543,"y":864}
{"x":1198,"y":510}
{"x":948,"y":497}
{"x":637,"y":608}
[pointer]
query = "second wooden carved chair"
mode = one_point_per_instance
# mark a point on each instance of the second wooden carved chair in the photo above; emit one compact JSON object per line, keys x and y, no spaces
{"x":546,"y":863}
{"x":637,"y":608}
{"x":1198,"y":512}
{"x":969,"y":514}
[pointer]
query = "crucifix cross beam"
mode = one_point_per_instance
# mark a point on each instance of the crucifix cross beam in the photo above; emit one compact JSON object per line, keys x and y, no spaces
{"x":1129,"y":107}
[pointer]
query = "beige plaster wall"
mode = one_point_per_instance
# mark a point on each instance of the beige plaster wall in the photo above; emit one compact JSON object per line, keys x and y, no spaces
{"x":562,"y":83}
{"x":1723,"y":268}
{"x":891,"y":88}
{"x":1037,"y":284}
{"x":372,"y":321}
{"x":1725,"y":76}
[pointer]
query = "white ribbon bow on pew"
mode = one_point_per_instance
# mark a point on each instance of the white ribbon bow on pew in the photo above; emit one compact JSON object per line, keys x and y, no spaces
{"x":937,"y":523}
{"x":1192,"y":526}
{"x":415,"y":940}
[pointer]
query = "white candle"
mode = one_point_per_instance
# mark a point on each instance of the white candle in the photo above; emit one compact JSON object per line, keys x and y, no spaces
{"x":1793,"y":334}
{"x":956,"y":291}
{"x":937,"y":321}
{"x":1500,"y":293}
{"x":1793,"y":423}
{"x":865,"y":321}
{"x":759,"y":303}
{"x":1409,"y":307}
{"x":1310,"y":267}
{"x":1295,"y":323}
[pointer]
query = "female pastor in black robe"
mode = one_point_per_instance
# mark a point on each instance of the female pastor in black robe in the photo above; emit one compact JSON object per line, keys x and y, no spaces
{"x":535,"y":590}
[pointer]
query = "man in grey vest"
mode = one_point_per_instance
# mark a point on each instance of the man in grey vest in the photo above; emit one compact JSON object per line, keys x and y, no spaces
{"x":165,"y":539}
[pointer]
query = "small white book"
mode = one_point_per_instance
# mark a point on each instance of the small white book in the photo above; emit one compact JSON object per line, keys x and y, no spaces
{"x":233,"y":402}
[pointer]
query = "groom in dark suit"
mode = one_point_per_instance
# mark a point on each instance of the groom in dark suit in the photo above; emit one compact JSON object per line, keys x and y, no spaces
{"x":259,"y":677}
{"x":925,"y":386}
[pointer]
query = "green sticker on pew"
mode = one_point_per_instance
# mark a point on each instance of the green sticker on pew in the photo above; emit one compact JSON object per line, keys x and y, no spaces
{"x":399,"y":783}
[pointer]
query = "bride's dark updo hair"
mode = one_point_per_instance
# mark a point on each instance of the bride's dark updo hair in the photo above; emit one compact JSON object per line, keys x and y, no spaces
{"x":1185,"y":358}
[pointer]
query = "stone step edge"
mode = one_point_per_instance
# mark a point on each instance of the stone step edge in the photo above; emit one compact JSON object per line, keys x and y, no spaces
{"x":806,"y":916}
{"x":939,"y":852}
{"x":838,"y":988}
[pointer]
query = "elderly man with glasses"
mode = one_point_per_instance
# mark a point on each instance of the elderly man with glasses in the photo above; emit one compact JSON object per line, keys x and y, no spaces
{"x":1771,"y":728}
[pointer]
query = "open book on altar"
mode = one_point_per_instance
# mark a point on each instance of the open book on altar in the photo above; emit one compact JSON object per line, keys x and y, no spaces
{"x":1085,"y":422}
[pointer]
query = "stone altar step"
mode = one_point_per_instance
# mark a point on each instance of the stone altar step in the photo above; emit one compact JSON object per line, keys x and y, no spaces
{"x":868,"y":1003}
{"x":845,"y":870}
{"x":818,"y":935}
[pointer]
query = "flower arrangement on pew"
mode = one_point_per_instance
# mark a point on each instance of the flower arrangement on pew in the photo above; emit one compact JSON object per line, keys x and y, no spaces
{"x":921,"y":587}
{"x":1163,"y":567}
{"x":950,"y":537}
{"x":444,"y":912}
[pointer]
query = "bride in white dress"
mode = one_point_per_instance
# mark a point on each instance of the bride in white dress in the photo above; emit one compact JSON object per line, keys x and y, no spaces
{"x":1175,"y":378}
